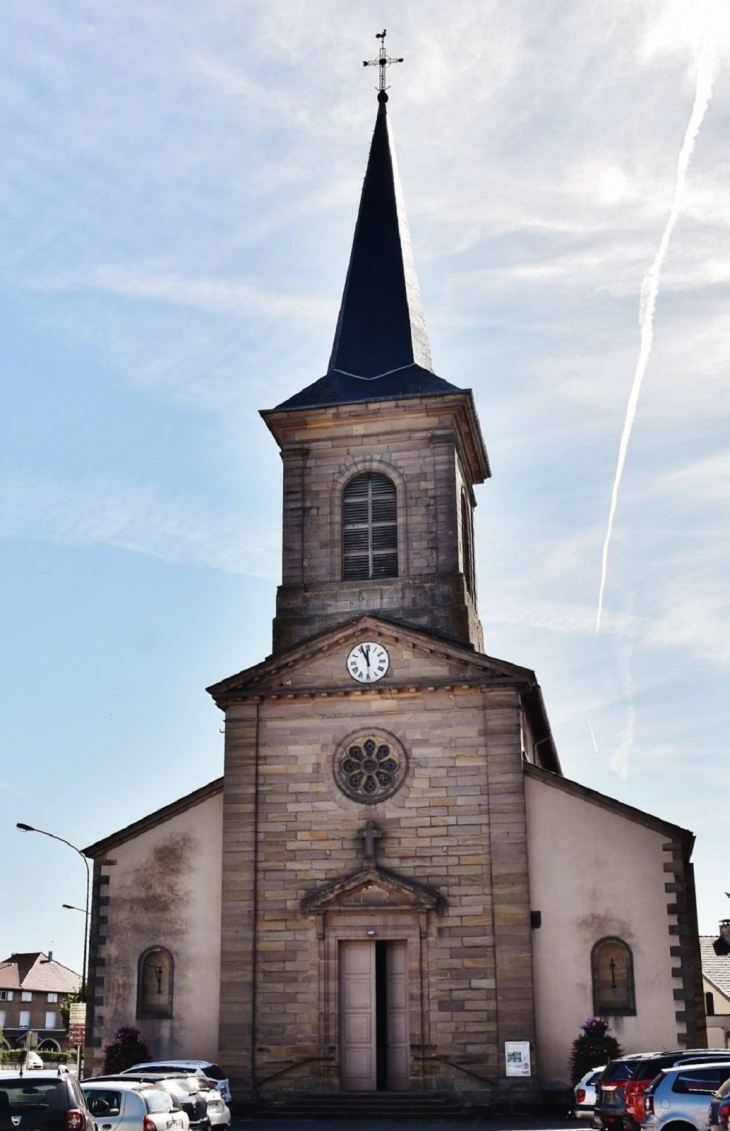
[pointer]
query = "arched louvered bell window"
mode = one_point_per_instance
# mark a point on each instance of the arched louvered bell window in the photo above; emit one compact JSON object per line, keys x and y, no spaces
{"x":369,"y":528}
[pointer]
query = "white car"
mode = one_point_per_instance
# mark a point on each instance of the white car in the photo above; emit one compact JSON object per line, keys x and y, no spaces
{"x":216,"y":1079}
{"x":219,"y":1112}
{"x":120,"y":1106}
{"x":585,"y":1094}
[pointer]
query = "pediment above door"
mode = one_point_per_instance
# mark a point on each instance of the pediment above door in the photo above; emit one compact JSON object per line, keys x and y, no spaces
{"x":373,"y":887}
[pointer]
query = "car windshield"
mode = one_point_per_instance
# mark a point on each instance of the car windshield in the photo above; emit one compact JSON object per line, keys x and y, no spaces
{"x":648,"y":1069}
{"x":700,"y":1081}
{"x":156,"y":1101}
{"x":103,"y":1101}
{"x":618,"y":1070}
{"x":19,"y":1095}
{"x":180,"y":1087}
{"x":214,"y":1072}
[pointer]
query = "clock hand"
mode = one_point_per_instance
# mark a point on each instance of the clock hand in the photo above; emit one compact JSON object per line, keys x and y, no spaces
{"x":366,"y":653}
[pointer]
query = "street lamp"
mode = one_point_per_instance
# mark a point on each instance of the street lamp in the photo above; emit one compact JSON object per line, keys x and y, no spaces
{"x":31,"y":829}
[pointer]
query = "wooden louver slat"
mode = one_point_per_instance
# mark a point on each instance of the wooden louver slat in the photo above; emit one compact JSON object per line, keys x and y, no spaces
{"x":369,"y":528}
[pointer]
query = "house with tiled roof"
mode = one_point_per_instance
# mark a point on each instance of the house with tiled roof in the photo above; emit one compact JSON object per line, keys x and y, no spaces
{"x":32,"y":987}
{"x":716,"y":984}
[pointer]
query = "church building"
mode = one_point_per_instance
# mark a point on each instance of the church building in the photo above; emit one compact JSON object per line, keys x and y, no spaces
{"x":393,"y":887}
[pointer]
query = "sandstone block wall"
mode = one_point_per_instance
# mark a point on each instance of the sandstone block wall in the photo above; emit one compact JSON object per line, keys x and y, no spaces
{"x":456,"y":824}
{"x":420,"y":443}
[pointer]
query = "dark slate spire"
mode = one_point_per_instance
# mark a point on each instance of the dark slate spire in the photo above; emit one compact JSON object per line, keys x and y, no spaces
{"x":381,"y":349}
{"x":381,"y":327}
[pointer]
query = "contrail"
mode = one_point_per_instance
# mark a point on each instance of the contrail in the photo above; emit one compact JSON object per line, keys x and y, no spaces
{"x":650,"y":284}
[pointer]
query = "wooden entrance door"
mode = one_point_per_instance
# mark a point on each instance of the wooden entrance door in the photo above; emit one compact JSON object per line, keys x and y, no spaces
{"x":357,"y":1016}
{"x":397,"y":1028}
{"x":375,"y":1052}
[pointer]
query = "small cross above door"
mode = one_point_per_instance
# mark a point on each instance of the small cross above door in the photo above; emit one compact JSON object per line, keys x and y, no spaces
{"x":370,"y":834}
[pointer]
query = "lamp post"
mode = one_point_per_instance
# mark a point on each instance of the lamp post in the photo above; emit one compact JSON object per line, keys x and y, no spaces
{"x":32,"y":829}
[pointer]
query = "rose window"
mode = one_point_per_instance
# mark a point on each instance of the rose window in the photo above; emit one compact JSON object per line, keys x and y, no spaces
{"x":370,"y":767}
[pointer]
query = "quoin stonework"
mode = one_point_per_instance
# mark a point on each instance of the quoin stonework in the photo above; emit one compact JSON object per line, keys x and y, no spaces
{"x":393,"y":880}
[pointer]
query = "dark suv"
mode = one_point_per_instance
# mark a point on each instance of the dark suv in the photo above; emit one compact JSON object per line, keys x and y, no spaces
{"x":650,"y":1067}
{"x":43,"y":1101}
{"x":610,"y":1087}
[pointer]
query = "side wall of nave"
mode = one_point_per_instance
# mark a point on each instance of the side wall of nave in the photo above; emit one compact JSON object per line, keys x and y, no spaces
{"x":162,"y":894}
{"x":597,"y":873}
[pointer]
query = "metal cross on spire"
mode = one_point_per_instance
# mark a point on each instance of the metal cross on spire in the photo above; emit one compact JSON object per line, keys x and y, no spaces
{"x":383,"y":61}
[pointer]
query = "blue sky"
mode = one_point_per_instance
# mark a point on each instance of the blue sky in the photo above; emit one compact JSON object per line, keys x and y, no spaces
{"x":178,"y":188}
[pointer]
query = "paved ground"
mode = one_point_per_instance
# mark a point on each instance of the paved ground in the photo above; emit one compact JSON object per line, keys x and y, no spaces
{"x":515,"y":1123}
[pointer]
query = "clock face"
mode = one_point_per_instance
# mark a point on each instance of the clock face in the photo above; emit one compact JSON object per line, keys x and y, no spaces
{"x":368,"y":662}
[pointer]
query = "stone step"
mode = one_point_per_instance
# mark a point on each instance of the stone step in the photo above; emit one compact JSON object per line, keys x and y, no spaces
{"x":366,"y":1105}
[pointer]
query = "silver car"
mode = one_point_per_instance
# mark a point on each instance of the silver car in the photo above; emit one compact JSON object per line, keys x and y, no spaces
{"x":719,"y":1117}
{"x":214,"y":1075}
{"x":121,"y":1106}
{"x":682,"y":1096}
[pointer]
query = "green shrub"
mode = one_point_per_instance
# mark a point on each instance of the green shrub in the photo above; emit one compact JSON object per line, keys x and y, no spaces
{"x":126,"y":1049}
{"x":11,"y":1057}
{"x":592,"y":1048}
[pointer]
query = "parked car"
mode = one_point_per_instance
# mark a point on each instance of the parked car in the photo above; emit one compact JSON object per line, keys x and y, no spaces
{"x":219,"y":1112}
{"x":43,"y":1100}
{"x":649,"y":1068}
{"x":584,"y":1094}
{"x":681,"y":1096}
{"x":126,"y":1105}
{"x":610,"y":1087}
{"x":213,"y":1074}
{"x":719,"y":1116}
{"x":188,"y":1091}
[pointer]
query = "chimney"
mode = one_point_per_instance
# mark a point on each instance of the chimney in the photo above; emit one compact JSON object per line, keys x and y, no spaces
{"x":721,"y":945}
{"x":50,"y":956}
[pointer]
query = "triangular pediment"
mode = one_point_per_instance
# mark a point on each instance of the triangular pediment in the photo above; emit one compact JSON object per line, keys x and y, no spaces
{"x":373,"y":887}
{"x":319,"y":665}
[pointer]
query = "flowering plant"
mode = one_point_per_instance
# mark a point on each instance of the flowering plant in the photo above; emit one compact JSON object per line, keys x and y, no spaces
{"x":592,"y":1048}
{"x":596,"y":1027}
{"x":127,"y":1048}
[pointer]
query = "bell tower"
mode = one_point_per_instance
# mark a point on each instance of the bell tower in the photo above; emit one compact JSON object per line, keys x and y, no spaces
{"x":380,"y":455}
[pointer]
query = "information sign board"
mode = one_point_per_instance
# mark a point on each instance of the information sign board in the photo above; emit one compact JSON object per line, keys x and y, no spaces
{"x":517,"y":1058}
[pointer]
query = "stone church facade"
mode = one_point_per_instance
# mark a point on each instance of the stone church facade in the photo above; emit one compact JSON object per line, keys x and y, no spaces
{"x":393,"y":881}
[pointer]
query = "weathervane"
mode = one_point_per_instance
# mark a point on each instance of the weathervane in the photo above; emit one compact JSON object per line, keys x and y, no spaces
{"x":383,"y":61}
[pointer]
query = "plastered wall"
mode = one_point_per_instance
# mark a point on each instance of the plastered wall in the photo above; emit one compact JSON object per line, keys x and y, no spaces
{"x":165,"y":890}
{"x":595,"y":873}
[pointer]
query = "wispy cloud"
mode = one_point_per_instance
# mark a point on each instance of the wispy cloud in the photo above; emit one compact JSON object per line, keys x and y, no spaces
{"x":245,"y":300}
{"x":139,"y":519}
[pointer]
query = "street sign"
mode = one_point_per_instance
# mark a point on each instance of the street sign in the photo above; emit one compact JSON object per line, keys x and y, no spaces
{"x":77,"y":1013}
{"x":76,"y":1034}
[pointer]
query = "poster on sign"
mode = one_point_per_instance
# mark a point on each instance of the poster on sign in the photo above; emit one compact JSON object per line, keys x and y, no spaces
{"x":517,"y":1058}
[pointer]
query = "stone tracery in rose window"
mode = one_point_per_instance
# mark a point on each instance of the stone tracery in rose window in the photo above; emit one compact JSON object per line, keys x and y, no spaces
{"x":370,"y":767}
